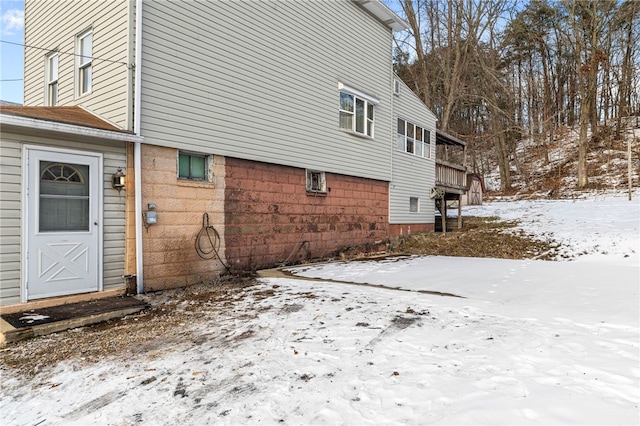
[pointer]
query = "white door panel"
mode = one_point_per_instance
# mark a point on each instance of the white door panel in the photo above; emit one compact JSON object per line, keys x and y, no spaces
{"x":63,"y":235}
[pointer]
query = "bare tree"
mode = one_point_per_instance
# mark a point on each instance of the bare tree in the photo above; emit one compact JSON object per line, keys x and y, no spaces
{"x":498,"y":71}
{"x":587,"y":22}
{"x":419,"y":72}
{"x":629,"y":19}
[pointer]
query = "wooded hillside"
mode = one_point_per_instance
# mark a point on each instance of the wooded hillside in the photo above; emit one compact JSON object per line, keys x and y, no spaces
{"x":521,"y":82}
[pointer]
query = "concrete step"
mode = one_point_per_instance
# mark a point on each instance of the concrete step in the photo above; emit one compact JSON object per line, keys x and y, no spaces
{"x":42,"y":321}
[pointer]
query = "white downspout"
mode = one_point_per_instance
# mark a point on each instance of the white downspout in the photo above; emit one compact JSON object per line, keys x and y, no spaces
{"x":137,"y":162}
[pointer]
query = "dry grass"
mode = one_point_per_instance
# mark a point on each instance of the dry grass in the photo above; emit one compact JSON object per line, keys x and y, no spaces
{"x":480,"y":237}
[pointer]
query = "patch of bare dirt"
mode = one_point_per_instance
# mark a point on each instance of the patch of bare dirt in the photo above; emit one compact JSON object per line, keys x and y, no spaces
{"x":148,"y":331}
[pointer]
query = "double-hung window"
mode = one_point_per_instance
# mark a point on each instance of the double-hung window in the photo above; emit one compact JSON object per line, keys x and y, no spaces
{"x":413,"y":139}
{"x":51,"y":78}
{"x":84,"y":53}
{"x":357,"y":111}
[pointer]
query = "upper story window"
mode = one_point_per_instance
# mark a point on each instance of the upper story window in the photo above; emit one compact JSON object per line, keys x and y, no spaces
{"x":84,"y":47}
{"x":413,"y":139}
{"x":357,"y":113}
{"x":51,"y":79}
{"x":396,"y":86}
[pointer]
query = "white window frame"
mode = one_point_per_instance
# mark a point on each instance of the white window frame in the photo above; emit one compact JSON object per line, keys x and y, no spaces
{"x":316,"y":181}
{"x":414,"y":201}
{"x":51,"y":71}
{"x":84,"y":64}
{"x":360,"y":101}
{"x":407,"y":139}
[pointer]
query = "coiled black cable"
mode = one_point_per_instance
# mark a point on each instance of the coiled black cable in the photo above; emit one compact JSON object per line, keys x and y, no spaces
{"x":211,"y":239}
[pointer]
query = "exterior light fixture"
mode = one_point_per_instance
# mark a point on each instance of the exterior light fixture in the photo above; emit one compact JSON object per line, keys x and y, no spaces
{"x":119,"y":180}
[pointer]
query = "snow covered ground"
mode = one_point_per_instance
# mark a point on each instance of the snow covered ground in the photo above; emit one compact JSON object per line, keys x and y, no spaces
{"x":526,"y":342}
{"x":601,"y":227}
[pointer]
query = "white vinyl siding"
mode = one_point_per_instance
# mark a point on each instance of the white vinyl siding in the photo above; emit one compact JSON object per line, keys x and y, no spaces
{"x":270,"y":95}
{"x":114,"y":154}
{"x":413,"y":175}
{"x":112,"y":38}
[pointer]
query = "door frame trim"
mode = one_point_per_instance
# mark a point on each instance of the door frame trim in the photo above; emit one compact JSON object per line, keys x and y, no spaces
{"x":24,"y":216}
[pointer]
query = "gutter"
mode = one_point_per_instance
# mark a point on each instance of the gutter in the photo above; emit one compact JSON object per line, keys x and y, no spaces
{"x":20,"y":122}
{"x":137,"y":165}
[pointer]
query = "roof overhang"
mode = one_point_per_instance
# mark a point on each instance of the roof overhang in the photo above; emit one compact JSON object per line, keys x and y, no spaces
{"x":383,"y":13}
{"x":443,"y":138}
{"x":21,"y":124}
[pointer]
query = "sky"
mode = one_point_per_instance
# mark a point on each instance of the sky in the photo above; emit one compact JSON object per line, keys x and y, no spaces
{"x":11,"y":55}
{"x":528,"y":342}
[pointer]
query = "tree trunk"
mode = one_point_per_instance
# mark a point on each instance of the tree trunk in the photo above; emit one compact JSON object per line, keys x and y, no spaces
{"x":624,"y":89}
{"x":583,"y":144}
{"x":422,"y":79}
{"x":503,"y":161}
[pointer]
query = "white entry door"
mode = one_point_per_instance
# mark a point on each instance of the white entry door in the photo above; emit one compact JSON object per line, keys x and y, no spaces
{"x":63,"y":223}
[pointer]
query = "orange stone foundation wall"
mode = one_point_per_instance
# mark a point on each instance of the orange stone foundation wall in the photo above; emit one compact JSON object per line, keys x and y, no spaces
{"x":169,"y":255}
{"x":263,"y":213}
{"x":271,"y":219}
{"x":399,"y":230}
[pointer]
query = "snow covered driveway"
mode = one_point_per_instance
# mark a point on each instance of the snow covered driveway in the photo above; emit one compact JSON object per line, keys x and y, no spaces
{"x":533,"y":342}
{"x":528,"y":342}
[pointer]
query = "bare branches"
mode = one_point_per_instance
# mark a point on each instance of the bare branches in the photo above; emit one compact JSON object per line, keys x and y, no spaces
{"x":500,"y":70}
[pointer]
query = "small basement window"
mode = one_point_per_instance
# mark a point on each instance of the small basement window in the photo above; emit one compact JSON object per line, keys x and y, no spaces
{"x":414,"y":204}
{"x":192,"y":166}
{"x":316,"y":181}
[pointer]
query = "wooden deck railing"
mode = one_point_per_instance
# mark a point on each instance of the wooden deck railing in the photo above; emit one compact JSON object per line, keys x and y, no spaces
{"x":451,"y":177}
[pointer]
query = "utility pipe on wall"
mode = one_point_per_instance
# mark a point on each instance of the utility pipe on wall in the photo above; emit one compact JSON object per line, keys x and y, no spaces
{"x":137,"y":148}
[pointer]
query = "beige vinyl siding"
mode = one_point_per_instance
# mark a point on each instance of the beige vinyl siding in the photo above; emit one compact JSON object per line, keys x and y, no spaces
{"x":11,"y":149}
{"x":413,"y":176}
{"x":111,"y":42}
{"x":10,"y":199}
{"x":114,"y":221}
{"x":259,"y":81}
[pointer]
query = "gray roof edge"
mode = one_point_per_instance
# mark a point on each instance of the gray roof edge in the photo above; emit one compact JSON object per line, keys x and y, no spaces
{"x":383,"y":13}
